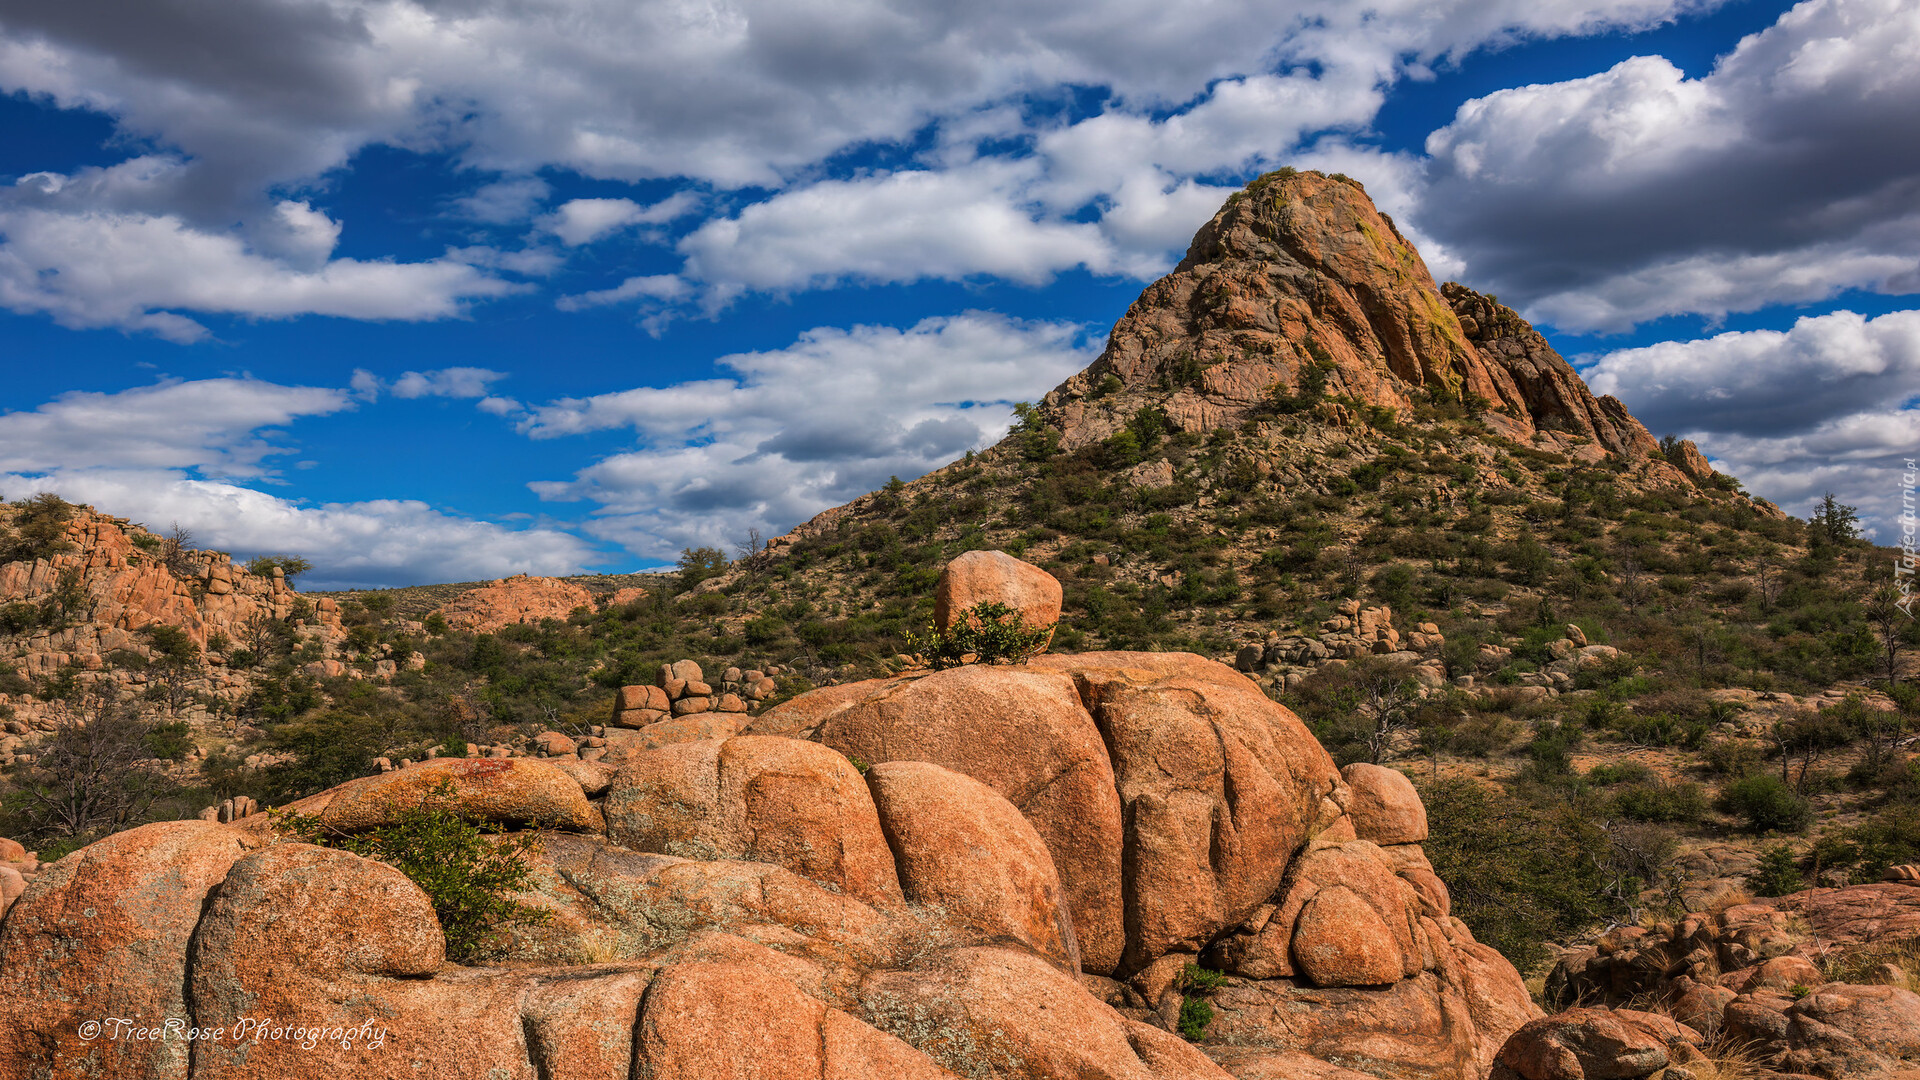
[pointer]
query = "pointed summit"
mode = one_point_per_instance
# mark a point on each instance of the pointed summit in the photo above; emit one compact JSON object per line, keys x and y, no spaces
{"x":1300,"y":288}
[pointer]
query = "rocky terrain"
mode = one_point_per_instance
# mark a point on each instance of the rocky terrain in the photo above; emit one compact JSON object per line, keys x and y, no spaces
{"x":1819,"y":982}
{"x":985,"y":870}
{"x":108,"y":607}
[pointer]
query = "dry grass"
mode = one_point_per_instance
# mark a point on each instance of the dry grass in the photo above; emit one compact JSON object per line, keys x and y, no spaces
{"x":1649,"y":1001}
{"x":1730,"y":897}
{"x":1853,"y":965}
{"x":1728,"y":1059}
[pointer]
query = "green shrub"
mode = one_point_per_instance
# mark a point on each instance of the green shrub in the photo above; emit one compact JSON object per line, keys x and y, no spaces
{"x":1889,"y":837}
{"x":467,"y":876}
{"x":1520,"y":872}
{"x":18,"y":617}
{"x":1683,"y":802}
{"x":990,"y":632}
{"x":1764,"y":803}
{"x":1201,"y":980}
{"x":170,"y":741}
{"x":1777,"y":874}
{"x":764,"y":630}
{"x":1626,"y":772}
{"x":1733,"y":758}
{"x":1195,"y":1014}
{"x":39,"y":529}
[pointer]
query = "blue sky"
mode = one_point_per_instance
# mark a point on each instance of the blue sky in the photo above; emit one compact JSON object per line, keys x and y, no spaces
{"x":436,"y":290}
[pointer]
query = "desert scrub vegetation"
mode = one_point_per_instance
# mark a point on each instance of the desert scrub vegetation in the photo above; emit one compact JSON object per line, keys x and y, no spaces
{"x":467,"y":873}
{"x":986,"y":633}
{"x":1202,"y":541}
{"x":37,"y":528}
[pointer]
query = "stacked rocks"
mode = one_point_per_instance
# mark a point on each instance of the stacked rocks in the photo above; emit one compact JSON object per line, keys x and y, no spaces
{"x":754,"y":685}
{"x":1355,"y":632}
{"x":681,"y":689}
{"x":230,"y":810}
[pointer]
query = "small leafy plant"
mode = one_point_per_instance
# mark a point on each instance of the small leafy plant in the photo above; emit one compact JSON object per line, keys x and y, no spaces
{"x":1201,"y":980}
{"x":989,"y":632}
{"x":467,"y":877}
{"x":1196,"y":1012}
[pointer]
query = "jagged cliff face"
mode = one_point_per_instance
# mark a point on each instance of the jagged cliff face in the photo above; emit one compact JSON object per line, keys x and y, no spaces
{"x":1300,"y":270}
{"x":106,"y":584}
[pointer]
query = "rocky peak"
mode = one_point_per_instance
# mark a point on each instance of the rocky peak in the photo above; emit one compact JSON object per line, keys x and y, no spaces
{"x":1300,"y":287}
{"x":510,"y":600}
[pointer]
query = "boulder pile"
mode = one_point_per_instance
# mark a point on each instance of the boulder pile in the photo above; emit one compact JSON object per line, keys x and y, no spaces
{"x":681,"y":705}
{"x":1356,"y":631}
{"x":1756,"y":974}
{"x":1052,"y":869}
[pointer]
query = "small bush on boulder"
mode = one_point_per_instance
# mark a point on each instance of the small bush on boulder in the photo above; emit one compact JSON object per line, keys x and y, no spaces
{"x":467,"y":876}
{"x":986,"y":633}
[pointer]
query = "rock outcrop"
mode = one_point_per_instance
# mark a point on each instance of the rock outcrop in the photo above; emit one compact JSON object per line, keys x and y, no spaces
{"x":996,"y":577}
{"x":107,"y":584}
{"x":1755,"y":973}
{"x":513,"y":600}
{"x":1300,"y":281}
{"x":984,"y":871}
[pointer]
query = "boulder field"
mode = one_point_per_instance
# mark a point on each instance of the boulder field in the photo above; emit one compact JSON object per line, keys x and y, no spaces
{"x":1805,"y":984}
{"x":984,"y":871}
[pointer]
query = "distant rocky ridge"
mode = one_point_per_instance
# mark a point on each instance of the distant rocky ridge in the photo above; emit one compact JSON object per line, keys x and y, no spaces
{"x":517,"y":599}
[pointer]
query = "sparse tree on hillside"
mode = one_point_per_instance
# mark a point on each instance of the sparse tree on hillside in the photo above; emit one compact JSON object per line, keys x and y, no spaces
{"x":290,"y":566}
{"x":1835,"y":522}
{"x":1768,"y":581}
{"x":1889,"y":620}
{"x":91,"y":776}
{"x":751,"y":554}
{"x":698,"y":564}
{"x":176,"y":549}
{"x":1807,"y":735}
{"x":175,"y":663}
{"x":1633,"y":583}
{"x":1390,"y":698}
{"x":39,"y":528}
{"x":68,"y":597}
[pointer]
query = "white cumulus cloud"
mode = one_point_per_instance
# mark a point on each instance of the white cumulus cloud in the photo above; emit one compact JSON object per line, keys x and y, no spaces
{"x":793,"y":431}
{"x":583,"y":221}
{"x":211,"y":425}
{"x":86,"y":251}
{"x":1787,"y":174}
{"x":1832,"y":404}
{"x":247,"y":98}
